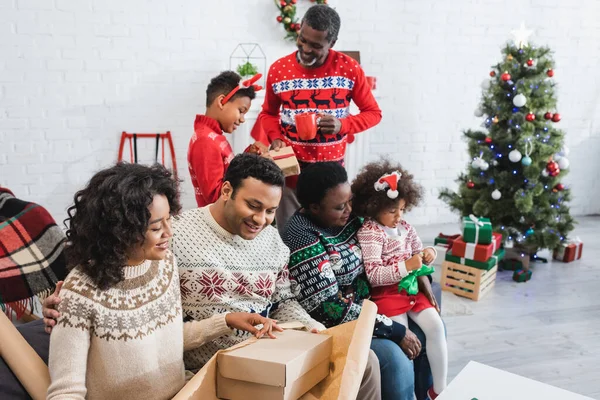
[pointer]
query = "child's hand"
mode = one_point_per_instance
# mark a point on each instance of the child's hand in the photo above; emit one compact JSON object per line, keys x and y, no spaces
{"x":425,"y":288}
{"x":428,"y":255}
{"x":414,"y":263}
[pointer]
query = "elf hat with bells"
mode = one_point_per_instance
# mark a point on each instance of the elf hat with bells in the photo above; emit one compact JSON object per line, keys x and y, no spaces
{"x":389,"y":182}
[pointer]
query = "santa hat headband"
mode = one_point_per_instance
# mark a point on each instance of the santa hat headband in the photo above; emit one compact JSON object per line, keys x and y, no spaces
{"x":389,"y":183}
{"x":248,"y":83}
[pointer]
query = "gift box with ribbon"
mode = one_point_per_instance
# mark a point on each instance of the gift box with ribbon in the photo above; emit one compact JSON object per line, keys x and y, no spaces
{"x":477,"y":230}
{"x":474,"y":251}
{"x":485,"y":265}
{"x":569,"y":251}
{"x":510,"y":265}
{"x":522,"y":275}
{"x":286,"y":160}
{"x":446,"y":239}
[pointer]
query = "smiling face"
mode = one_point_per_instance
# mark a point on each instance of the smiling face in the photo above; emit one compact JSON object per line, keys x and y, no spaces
{"x":392,"y":215}
{"x":251,"y":208}
{"x":313,"y":46}
{"x":335,"y":208}
{"x":156,"y":239}
{"x":231,"y":114}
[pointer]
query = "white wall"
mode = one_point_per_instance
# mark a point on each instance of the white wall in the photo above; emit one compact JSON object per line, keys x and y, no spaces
{"x":75,"y":73}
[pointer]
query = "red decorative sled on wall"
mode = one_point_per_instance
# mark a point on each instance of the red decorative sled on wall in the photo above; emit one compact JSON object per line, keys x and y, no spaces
{"x":160,"y":144}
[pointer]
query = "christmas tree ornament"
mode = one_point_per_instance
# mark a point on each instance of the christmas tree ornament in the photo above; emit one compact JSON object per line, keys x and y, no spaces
{"x":519,"y":100}
{"x":550,"y":73}
{"x":545,"y":173}
{"x":476,"y":162}
{"x":279,"y":18}
{"x":526,"y":161}
{"x":287,"y":20}
{"x":496,"y":194}
{"x":514,"y":156}
{"x":529,"y":232}
{"x":548,"y":115}
{"x":486,"y":84}
{"x":283,"y":3}
{"x":530,"y":117}
{"x":494,"y":163}
{"x":470,"y":185}
{"x":492,"y":73}
{"x":488,"y":140}
{"x":563,"y":163}
{"x":553,"y":168}
{"x":478,"y":112}
{"x":559,"y":187}
{"x":505,"y":76}
{"x":521,"y":36}
{"x":509,"y":57}
{"x":556,"y":117}
{"x":564,"y":151}
{"x":484,"y":166}
{"x":530,"y":62}
{"x":495,"y":120}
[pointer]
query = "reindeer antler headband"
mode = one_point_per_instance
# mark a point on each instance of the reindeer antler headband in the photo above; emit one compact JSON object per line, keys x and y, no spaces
{"x":244,"y":85}
{"x":389,"y":183}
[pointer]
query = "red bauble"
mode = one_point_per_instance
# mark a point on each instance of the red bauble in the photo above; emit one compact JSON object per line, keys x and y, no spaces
{"x":530,"y":62}
{"x":283,"y":3}
{"x":279,"y":18}
{"x":470,"y":185}
{"x":548,"y":115}
{"x":505,"y":76}
{"x":552,"y":166}
{"x":293,"y":1}
{"x":559,"y":187}
{"x":297,"y":27}
{"x":488,"y":140}
{"x":556,"y":117}
{"x":550,"y":73}
{"x":492,"y":73}
{"x":530,"y":117}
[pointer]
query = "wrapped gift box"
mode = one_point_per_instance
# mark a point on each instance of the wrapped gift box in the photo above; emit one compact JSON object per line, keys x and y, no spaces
{"x":446,"y":240}
{"x":569,"y":251}
{"x":485,"y":265}
{"x":286,"y":160}
{"x":281,"y":369}
{"x":474,"y":251}
{"x":522,"y":275}
{"x":477,"y":230}
{"x":510,"y":265}
{"x":517,"y":254}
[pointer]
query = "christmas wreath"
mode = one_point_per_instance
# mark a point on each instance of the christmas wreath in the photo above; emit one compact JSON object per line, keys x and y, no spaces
{"x":287,"y":16}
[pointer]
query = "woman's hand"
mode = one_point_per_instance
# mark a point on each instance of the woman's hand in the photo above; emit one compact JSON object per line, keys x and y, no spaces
{"x":247,"y":322}
{"x":425,"y":288}
{"x":49,"y":308}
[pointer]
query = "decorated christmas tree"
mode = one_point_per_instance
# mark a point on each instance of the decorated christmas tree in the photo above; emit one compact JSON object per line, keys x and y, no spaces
{"x":518,"y":160}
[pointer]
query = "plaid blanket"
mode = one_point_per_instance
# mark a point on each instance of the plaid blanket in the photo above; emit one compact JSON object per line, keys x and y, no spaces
{"x":31,"y":253}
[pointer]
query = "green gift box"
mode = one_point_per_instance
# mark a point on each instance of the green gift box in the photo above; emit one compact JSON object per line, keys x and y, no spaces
{"x":477,"y":230}
{"x":485,"y":265}
{"x":510,"y":265}
{"x":521,"y":275}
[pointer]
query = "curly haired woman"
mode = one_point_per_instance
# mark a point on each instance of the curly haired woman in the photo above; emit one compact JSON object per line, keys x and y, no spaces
{"x":393,"y":255}
{"x":120,"y":333}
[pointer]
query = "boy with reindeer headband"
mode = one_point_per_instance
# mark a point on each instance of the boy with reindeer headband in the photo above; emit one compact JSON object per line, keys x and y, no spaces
{"x":319,"y":80}
{"x":209,"y":153}
{"x":393,"y":256}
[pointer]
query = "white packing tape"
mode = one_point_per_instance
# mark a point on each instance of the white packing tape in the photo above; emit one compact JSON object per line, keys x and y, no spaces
{"x":470,"y":251}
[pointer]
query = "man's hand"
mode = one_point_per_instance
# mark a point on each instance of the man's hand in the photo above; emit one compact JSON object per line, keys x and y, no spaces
{"x":414,"y":263}
{"x":410,"y":345}
{"x":428,"y":255}
{"x":329,"y":124}
{"x":425,"y":288}
{"x":248,"y":321}
{"x":277,"y":144}
{"x":49,"y":308}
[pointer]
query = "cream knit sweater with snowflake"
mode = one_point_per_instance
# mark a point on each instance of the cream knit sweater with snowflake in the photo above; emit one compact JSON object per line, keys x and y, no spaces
{"x":126,"y":342}
{"x":221,"y":272}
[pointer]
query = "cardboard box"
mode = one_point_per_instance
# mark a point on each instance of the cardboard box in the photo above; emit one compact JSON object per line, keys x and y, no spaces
{"x":487,"y":265}
{"x":477,"y":230}
{"x":474,"y":251}
{"x":286,"y":160}
{"x":280,"y":369}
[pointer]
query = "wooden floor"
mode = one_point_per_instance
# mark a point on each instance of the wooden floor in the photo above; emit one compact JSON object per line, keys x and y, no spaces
{"x":547,"y":329}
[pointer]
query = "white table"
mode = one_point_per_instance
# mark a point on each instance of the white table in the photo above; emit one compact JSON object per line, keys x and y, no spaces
{"x":481,"y":382}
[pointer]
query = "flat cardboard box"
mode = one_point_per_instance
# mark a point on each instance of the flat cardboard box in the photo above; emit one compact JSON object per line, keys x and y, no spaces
{"x":282,"y":369}
{"x":286,"y":160}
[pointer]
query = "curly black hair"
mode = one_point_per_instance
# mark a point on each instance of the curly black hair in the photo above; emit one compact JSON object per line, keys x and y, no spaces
{"x":317,"y":179}
{"x":224,"y":83}
{"x":368,"y":202}
{"x":249,"y":165}
{"x":110,"y":217}
{"x":323,"y":18}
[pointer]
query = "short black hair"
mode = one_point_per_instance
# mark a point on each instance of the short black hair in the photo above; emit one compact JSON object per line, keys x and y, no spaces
{"x":323,"y":18}
{"x":110,"y":216}
{"x":248,"y":165}
{"x":224,"y":83}
{"x":317,"y":179}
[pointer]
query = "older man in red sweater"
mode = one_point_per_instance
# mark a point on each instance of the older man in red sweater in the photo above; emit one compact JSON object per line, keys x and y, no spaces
{"x":314,"y":79}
